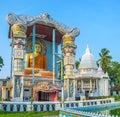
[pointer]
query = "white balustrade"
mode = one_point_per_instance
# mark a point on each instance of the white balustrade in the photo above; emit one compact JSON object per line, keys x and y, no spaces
{"x":50,"y":106}
{"x":38,"y":108}
{"x":8,"y":108}
{"x":21,"y":108}
{"x":14,"y":108}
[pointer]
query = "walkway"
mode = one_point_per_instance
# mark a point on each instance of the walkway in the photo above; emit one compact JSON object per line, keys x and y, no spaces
{"x":52,"y":116}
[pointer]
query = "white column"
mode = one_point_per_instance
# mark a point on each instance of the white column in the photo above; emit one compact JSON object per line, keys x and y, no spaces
{"x":2,"y":94}
{"x":13,"y":91}
{"x":97,"y":87}
{"x":62,"y":97}
{"x":82,"y":85}
{"x":68,"y":89}
{"x":74,"y":89}
{"x":90,"y":85}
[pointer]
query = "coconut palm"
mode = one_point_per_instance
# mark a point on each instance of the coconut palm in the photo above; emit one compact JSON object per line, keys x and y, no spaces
{"x":104,"y":60}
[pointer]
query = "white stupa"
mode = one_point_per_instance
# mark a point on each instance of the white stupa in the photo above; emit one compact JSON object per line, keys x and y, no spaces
{"x":91,"y":79}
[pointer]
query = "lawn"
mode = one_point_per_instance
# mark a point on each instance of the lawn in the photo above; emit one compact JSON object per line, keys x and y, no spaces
{"x":27,"y":114}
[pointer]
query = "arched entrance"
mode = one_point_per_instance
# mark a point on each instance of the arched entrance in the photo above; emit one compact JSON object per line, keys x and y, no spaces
{"x":43,"y":96}
{"x":44,"y":91}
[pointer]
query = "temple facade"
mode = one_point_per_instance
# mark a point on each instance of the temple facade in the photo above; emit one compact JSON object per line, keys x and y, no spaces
{"x":90,"y":79}
{"x":34,"y":56}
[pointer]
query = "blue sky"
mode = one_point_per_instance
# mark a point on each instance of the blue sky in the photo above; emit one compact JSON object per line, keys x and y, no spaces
{"x":98,"y":21}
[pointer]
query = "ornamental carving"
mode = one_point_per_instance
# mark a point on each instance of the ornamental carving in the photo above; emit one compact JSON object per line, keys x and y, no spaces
{"x":69,"y":49}
{"x":45,"y":87}
{"x":71,"y":88}
{"x":69,"y":60}
{"x":18,"y":41}
{"x":67,"y":39}
{"x":45,"y":18}
{"x":19,"y":30}
{"x":18,"y":87}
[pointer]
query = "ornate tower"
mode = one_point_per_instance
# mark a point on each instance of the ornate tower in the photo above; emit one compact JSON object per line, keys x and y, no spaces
{"x":68,"y":50}
{"x":17,"y":59}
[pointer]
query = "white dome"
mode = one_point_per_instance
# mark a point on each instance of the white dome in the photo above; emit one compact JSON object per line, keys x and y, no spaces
{"x":87,"y":61}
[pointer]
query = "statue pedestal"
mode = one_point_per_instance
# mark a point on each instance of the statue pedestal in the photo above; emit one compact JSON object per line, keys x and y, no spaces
{"x":38,"y":73}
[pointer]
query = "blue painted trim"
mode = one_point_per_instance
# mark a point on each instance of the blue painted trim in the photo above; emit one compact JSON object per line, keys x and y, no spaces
{"x":33,"y":47}
{"x":53,"y":55}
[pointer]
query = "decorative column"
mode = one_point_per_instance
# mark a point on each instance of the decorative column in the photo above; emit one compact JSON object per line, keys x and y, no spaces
{"x":68,"y":50}
{"x":90,"y":85}
{"x":18,"y":44}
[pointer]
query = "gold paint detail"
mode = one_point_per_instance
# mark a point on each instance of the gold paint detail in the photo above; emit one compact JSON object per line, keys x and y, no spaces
{"x":19,"y":30}
{"x":68,"y":39}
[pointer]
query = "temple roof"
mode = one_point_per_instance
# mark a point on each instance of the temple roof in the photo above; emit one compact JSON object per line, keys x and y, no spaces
{"x":44,"y":25}
{"x":88,"y":61}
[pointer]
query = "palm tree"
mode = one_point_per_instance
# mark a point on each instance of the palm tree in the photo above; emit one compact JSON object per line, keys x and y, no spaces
{"x":104,"y":60}
{"x":1,"y":62}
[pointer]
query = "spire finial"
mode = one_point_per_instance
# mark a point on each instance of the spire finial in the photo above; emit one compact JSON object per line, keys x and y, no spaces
{"x":87,"y":49}
{"x":87,"y":45}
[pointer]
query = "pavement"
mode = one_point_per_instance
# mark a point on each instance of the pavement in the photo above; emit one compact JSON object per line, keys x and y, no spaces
{"x":52,"y":116}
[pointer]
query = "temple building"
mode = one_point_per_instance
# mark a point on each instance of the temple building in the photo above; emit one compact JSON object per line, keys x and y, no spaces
{"x":91,"y":80}
{"x":34,"y":57}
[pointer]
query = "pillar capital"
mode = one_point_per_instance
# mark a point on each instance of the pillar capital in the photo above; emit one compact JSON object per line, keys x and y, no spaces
{"x":68,"y":39}
{"x":68,"y":44}
{"x":18,"y":30}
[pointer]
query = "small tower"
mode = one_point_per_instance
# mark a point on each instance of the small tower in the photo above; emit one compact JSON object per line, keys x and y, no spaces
{"x":68,"y":50}
{"x":17,"y":59}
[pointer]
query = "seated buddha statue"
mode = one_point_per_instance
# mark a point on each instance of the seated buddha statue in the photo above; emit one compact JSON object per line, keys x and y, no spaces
{"x":39,"y":63}
{"x":39,"y":59}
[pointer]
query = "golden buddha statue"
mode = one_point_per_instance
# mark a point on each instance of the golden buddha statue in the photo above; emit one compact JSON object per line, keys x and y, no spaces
{"x":39,"y":62}
{"x":39,"y":59}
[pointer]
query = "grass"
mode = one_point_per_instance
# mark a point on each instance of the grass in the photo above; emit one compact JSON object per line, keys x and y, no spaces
{"x":28,"y":114}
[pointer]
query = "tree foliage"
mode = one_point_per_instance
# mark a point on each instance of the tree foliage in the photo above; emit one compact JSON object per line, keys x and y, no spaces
{"x":111,"y":67}
{"x":77,"y":64}
{"x":114,"y":73}
{"x":104,"y":60}
{"x":1,"y":63}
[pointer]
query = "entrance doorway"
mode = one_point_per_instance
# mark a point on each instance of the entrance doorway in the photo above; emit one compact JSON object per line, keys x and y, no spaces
{"x":43,"y":96}
{"x":87,"y":95}
{"x":8,"y":94}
